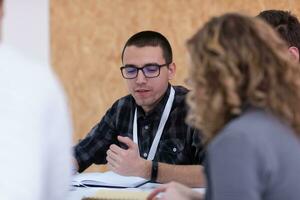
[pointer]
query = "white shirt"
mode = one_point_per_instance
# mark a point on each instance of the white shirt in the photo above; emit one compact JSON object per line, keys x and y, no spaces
{"x":35,"y":131}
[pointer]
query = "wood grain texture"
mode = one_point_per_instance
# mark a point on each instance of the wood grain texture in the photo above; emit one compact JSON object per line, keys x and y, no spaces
{"x":87,"y":37}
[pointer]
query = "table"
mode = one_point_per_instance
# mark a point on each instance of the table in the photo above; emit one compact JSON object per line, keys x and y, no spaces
{"x":77,"y":193}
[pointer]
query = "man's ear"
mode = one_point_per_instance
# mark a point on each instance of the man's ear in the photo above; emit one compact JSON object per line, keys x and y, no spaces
{"x":172,"y":70}
{"x":294,"y":51}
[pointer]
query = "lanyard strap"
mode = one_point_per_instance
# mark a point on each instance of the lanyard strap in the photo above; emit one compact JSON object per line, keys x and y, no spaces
{"x":161,"y":126}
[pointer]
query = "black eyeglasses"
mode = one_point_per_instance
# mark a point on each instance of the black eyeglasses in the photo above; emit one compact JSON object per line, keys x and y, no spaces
{"x":150,"y":70}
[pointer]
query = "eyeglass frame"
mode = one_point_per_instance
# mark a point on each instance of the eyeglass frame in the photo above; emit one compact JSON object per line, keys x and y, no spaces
{"x":142,"y":69}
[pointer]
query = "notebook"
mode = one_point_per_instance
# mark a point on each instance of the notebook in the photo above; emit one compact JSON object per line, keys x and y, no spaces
{"x":118,"y":195}
{"x":107,"y":179}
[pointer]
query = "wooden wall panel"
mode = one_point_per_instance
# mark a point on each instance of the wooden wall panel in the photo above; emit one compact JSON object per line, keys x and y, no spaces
{"x":87,"y":37}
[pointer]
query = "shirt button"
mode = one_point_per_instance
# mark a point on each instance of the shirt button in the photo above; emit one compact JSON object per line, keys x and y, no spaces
{"x":146,"y":127}
{"x":174,"y":149}
{"x":145,"y":155}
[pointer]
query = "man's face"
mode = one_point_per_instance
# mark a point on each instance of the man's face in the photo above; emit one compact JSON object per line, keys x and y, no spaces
{"x":147,"y":91}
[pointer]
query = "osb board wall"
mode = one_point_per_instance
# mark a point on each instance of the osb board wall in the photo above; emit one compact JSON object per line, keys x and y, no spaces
{"x":87,"y":37}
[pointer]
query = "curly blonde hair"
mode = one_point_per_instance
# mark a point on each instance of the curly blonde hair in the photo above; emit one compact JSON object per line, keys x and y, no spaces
{"x":238,"y":61}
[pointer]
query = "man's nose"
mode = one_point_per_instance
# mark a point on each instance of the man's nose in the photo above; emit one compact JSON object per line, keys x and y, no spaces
{"x":141,"y":77}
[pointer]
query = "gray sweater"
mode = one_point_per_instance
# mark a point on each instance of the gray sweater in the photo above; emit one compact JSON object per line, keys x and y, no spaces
{"x":255,"y":157}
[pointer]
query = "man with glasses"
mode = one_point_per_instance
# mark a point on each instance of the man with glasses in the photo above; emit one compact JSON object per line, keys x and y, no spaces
{"x":144,"y":134}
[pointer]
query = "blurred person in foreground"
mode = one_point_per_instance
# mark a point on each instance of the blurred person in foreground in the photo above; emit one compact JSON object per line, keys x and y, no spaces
{"x":245,"y":99}
{"x":35,"y":142}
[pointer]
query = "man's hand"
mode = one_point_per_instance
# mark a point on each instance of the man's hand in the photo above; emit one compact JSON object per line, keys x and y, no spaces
{"x":174,"y":191}
{"x":127,"y":162}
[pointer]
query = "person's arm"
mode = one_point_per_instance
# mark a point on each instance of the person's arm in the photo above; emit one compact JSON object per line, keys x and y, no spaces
{"x":189,"y":175}
{"x":129,"y":163}
{"x":174,"y":191}
{"x":92,"y":149}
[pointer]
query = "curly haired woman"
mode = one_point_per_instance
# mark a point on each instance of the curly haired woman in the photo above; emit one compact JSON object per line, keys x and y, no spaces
{"x":246,"y":94}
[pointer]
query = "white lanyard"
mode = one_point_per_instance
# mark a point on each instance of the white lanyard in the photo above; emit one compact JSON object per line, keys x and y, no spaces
{"x":161,"y":126}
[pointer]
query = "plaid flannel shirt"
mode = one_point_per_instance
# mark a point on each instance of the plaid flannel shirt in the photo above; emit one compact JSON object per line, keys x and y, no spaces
{"x":179,"y":144}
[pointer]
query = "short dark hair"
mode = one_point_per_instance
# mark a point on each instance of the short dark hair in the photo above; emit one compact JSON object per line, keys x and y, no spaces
{"x":286,"y":24}
{"x":150,"y":38}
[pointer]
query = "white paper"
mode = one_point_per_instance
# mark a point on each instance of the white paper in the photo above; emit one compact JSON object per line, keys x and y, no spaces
{"x":107,"y":179}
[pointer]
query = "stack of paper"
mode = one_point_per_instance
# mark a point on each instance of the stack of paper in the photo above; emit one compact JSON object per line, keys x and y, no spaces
{"x":107,"y":179}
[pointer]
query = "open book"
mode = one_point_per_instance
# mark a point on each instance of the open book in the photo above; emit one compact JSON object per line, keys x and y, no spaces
{"x":107,"y":179}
